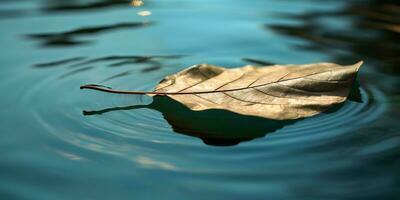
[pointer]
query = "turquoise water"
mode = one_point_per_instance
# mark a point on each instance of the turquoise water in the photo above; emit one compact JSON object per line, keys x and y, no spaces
{"x":58,"y":142}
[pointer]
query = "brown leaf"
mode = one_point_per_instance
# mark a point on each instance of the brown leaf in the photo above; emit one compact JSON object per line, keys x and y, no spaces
{"x":274,"y":92}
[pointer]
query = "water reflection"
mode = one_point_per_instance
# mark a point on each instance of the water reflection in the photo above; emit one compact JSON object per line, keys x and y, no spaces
{"x":258,"y":61}
{"x":9,"y":13}
{"x":121,"y":60}
{"x":71,"y":38}
{"x":59,"y":62}
{"x":76,"y":71}
{"x":213,"y":127}
{"x":67,"y":5}
{"x":119,"y":75}
{"x":152,"y":63}
{"x":136,"y":3}
{"x":372,"y":33}
{"x":144,"y":13}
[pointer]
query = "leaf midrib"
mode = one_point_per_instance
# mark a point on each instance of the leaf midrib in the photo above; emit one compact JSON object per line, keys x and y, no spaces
{"x":236,"y":89}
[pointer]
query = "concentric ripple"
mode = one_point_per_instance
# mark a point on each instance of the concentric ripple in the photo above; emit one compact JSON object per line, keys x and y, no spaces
{"x":59,"y":142}
{"x":135,"y":131}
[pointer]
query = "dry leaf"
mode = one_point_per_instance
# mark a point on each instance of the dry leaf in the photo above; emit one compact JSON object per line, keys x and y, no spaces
{"x":275,"y":92}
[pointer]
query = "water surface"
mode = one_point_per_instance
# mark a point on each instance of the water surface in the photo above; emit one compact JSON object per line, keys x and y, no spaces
{"x":58,"y":142}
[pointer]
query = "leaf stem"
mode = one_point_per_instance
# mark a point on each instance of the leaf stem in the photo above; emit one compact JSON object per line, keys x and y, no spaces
{"x":110,"y":90}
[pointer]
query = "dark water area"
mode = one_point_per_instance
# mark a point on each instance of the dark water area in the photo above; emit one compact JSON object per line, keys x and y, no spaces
{"x":59,"y":142}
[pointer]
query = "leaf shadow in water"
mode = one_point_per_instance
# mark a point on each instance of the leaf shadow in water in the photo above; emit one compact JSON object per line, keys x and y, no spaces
{"x":214,"y":127}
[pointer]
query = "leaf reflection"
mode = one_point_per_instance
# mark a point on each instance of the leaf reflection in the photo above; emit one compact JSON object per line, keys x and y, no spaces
{"x":213,"y":127}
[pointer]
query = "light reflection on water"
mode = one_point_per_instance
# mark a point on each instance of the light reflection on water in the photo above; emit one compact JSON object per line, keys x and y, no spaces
{"x":52,"y":150}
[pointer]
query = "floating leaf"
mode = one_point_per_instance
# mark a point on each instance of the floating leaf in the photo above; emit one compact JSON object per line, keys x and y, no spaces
{"x":275,"y":92}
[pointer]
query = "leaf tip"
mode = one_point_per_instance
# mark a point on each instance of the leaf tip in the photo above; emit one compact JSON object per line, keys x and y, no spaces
{"x":358,"y":64}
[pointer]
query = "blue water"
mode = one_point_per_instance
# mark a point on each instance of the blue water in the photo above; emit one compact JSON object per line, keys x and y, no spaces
{"x":59,"y":142}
